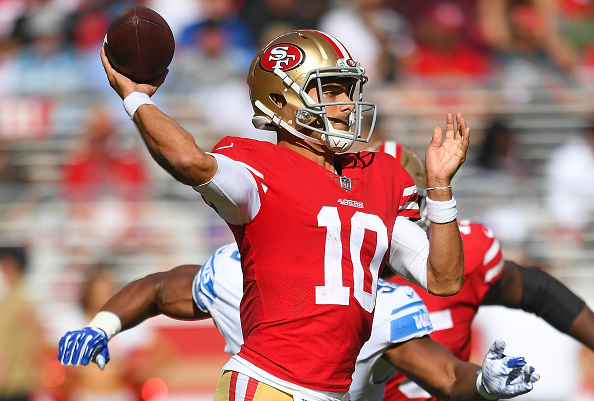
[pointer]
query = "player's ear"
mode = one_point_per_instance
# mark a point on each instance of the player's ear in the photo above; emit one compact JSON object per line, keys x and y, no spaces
{"x":278,"y":99}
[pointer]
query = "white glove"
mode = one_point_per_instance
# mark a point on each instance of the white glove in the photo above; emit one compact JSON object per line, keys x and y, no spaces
{"x":504,"y":376}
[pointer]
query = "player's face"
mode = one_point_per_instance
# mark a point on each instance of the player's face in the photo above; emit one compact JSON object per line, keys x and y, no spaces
{"x":337,"y":90}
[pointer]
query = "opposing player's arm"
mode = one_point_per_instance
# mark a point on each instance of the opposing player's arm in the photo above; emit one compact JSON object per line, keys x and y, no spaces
{"x":433,"y":367}
{"x":168,"y":293}
{"x":535,"y":291}
{"x":169,"y":144}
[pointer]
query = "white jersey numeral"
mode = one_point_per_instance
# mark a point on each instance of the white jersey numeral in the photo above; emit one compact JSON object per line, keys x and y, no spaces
{"x":333,"y":292}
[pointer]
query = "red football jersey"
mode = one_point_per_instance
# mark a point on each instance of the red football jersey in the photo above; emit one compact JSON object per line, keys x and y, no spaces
{"x":311,"y":257}
{"x":452,"y":316}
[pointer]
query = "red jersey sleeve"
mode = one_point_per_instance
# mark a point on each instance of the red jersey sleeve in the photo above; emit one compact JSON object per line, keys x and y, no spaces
{"x":408,"y":206}
{"x":482,"y":254}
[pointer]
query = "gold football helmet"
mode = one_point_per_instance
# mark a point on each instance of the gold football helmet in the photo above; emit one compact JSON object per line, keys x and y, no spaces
{"x":414,"y":165}
{"x":287,"y":67}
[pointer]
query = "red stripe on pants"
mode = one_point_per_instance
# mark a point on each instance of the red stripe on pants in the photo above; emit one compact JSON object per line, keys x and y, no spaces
{"x":232,"y":386}
{"x":250,"y":391}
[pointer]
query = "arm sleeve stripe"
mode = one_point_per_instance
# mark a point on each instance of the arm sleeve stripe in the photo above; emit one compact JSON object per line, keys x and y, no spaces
{"x":494,"y":271}
{"x":408,"y":191}
{"x":492,"y":252}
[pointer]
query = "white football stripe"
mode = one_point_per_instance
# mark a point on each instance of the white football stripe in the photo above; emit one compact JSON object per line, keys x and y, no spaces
{"x":408,"y":191}
{"x":390,"y":148}
{"x":441,"y":320}
{"x":491,"y":253}
{"x":412,"y":390}
{"x":253,"y":170}
{"x":494,"y":271}
{"x":410,"y":206}
{"x":241,"y":386}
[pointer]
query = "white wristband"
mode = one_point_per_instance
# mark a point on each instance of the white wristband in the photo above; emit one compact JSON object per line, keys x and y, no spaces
{"x":134,"y":100}
{"x":481,"y":389}
{"x":441,"y":211}
{"x":109,"y":322}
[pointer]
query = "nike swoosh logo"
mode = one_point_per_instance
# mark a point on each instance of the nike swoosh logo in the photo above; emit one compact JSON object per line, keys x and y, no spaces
{"x":224,"y":147}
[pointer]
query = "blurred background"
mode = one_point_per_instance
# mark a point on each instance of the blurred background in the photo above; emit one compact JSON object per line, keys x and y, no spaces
{"x":84,"y":210}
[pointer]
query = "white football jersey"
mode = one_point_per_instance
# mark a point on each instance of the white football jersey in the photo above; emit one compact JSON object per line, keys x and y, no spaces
{"x":217,"y":289}
{"x":400,"y":315}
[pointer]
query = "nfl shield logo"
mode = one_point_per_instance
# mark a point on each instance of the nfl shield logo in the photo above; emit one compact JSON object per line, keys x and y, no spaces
{"x":345,"y":183}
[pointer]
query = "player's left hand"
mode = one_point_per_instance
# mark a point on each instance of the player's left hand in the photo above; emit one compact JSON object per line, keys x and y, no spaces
{"x":80,"y":347}
{"x":445,"y":154}
{"x":504,"y":376}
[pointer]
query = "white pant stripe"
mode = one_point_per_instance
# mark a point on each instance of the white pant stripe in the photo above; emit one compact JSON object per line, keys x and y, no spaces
{"x":241,"y":387}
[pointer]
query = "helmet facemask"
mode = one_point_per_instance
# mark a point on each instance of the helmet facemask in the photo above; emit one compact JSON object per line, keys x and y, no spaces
{"x":314,"y":116}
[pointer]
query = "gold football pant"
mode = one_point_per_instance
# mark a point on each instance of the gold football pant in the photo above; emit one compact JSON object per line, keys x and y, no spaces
{"x":235,"y":386}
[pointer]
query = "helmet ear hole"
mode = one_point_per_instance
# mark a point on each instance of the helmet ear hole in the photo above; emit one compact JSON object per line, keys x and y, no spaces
{"x":278,"y":99}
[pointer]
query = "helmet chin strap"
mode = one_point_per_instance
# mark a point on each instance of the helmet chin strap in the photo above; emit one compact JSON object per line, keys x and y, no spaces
{"x":337,"y":144}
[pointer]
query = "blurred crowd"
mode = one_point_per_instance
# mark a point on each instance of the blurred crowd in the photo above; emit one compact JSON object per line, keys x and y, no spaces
{"x":49,"y":47}
{"x":82,"y":203}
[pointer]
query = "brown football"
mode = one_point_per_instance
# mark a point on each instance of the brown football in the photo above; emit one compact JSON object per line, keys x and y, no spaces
{"x":139,"y":44}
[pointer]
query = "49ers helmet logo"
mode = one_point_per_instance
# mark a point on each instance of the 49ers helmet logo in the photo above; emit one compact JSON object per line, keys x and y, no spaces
{"x":284,"y":56}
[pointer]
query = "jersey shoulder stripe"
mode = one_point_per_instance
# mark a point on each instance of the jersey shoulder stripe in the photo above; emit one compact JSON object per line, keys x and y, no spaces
{"x":482,"y":251}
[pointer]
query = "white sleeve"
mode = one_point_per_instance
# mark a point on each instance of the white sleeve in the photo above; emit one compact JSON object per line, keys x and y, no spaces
{"x":409,"y":251}
{"x":233,"y":191}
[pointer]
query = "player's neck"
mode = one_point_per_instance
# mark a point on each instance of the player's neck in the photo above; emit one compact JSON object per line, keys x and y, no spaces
{"x":313,"y":151}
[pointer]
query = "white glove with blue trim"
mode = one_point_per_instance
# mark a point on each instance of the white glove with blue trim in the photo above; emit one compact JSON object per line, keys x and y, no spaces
{"x":80,"y":347}
{"x":504,"y":376}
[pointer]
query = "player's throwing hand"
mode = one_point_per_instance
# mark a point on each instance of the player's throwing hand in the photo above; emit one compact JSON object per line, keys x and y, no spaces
{"x":124,"y":85}
{"x":83,"y":346}
{"x":504,"y":376}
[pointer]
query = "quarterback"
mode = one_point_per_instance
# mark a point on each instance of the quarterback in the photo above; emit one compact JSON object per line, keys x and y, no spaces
{"x":314,"y":227}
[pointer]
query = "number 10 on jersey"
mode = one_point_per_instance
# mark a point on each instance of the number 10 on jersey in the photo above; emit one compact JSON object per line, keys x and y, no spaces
{"x":333,"y":292}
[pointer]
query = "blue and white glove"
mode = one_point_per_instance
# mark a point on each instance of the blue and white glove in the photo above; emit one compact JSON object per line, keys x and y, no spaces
{"x":80,"y":347}
{"x":504,"y":376}
{"x":87,"y":345}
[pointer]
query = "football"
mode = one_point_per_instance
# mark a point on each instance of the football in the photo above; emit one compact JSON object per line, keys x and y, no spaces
{"x":139,"y":44}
